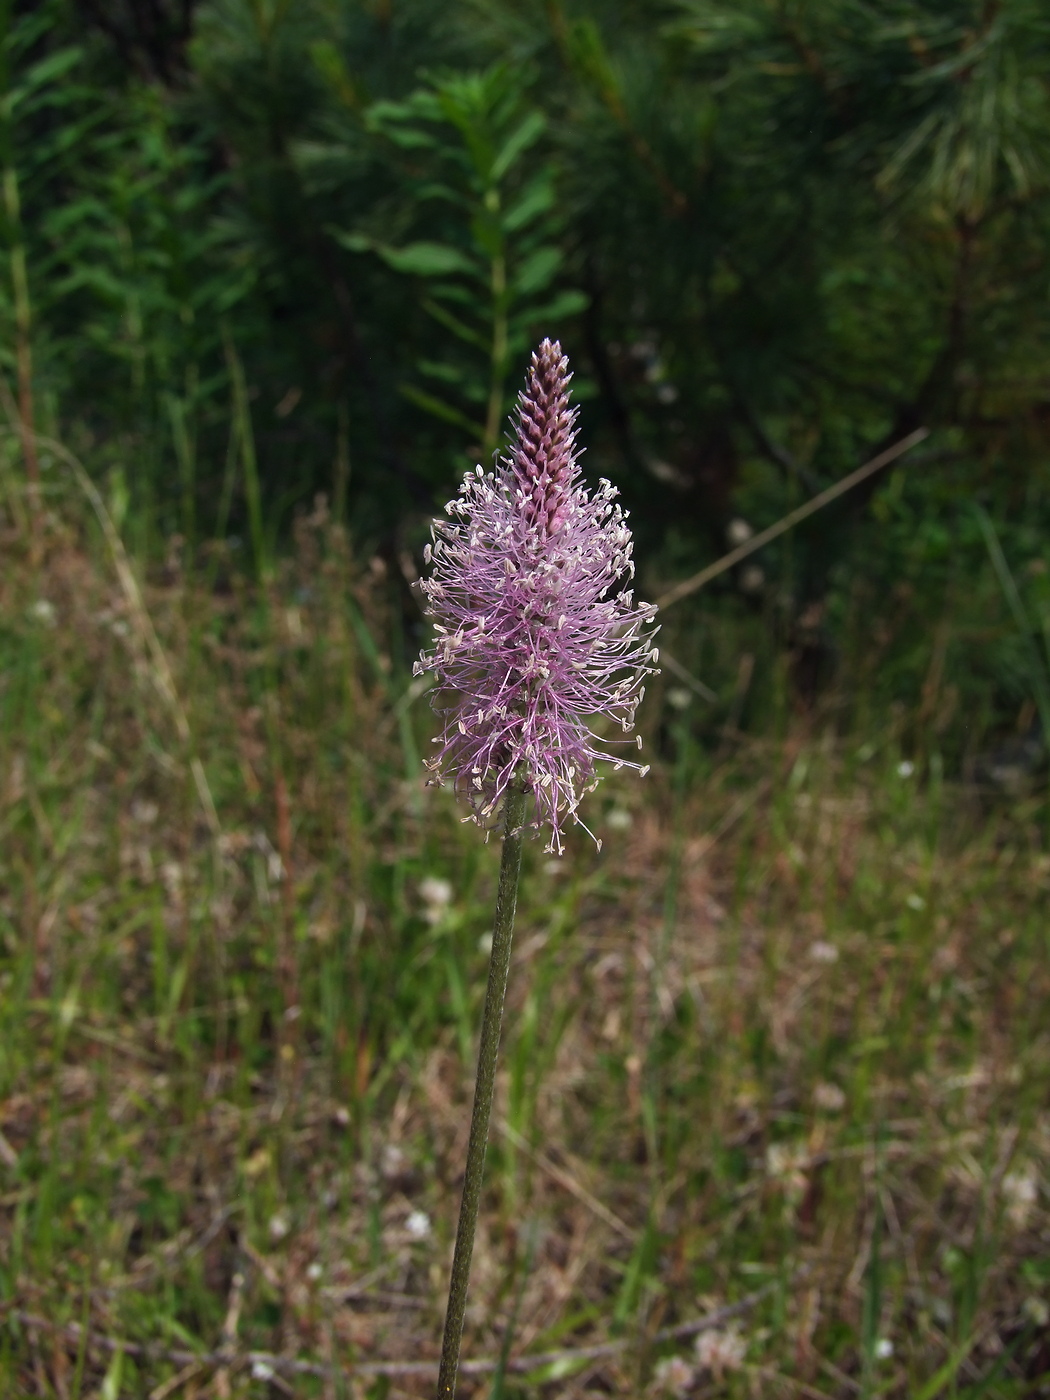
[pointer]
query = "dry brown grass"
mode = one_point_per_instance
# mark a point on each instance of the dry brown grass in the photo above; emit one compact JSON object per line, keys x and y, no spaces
{"x":784,"y":1040}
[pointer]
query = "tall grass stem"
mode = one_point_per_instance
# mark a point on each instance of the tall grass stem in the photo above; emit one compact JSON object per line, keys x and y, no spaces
{"x":246,"y":442}
{"x":1039,"y":667}
{"x":491,"y":1025}
{"x":160,"y":669}
{"x":23,"y":326}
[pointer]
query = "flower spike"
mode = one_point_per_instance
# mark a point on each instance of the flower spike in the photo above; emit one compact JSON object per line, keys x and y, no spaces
{"x":533,"y":633}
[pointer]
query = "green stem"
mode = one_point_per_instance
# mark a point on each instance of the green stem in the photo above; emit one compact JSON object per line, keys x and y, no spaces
{"x":491,"y":1024}
{"x":246,"y":437}
{"x":23,"y":323}
{"x":498,"y":360}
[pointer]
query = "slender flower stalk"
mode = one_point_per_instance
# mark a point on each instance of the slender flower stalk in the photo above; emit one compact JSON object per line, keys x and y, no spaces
{"x":535,"y":637}
{"x":491,"y":1025}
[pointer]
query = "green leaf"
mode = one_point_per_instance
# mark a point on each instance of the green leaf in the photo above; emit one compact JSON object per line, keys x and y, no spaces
{"x":537,"y":271}
{"x":410,"y":138}
{"x":556,"y":1370}
{"x":525,"y":134}
{"x":438,"y":369}
{"x":440,"y":409}
{"x":456,"y":326}
{"x":48,"y":70}
{"x":568,"y":303}
{"x":560,"y":306}
{"x":457,"y":294}
{"x":416,"y":259}
{"x":591,"y":58}
{"x":331,"y":65}
{"x":353,"y":242}
{"x":946,"y":1374}
{"x":110,"y":1389}
{"x":451,"y":375}
{"x":400,"y":120}
{"x":436,"y":189}
{"x":397,"y":121}
{"x":426,"y":259}
{"x":537,"y":198}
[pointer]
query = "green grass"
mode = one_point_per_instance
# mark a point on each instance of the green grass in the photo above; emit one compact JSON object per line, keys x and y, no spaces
{"x":784,"y":1039}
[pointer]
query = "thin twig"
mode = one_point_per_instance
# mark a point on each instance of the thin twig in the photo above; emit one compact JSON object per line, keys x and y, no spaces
{"x":740,"y":808}
{"x":686,"y":677}
{"x":798,"y":1387}
{"x":483,"y":1366}
{"x":181,"y":1378}
{"x":8,"y":1155}
{"x":564,"y":1179}
{"x":775,"y":450}
{"x":603,"y":1350}
{"x":795,"y":517}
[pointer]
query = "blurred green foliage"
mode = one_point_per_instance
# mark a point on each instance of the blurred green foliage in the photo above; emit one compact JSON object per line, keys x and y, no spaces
{"x":773,"y":236}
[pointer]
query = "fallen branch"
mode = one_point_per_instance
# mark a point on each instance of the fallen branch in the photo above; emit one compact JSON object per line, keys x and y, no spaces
{"x":795,"y":517}
{"x":263,"y":1361}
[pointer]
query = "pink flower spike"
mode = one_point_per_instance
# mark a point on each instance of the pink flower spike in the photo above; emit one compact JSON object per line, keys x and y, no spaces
{"x":533,"y":636}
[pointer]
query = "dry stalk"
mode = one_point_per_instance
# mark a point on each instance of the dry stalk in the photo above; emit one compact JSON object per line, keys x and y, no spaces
{"x":794,"y":517}
{"x":227,"y":1358}
{"x":160,"y":669}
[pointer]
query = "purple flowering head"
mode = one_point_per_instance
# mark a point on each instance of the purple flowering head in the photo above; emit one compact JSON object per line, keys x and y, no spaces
{"x":535,"y":637}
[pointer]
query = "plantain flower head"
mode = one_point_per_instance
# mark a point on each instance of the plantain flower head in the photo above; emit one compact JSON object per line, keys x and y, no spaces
{"x":535,"y":638}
